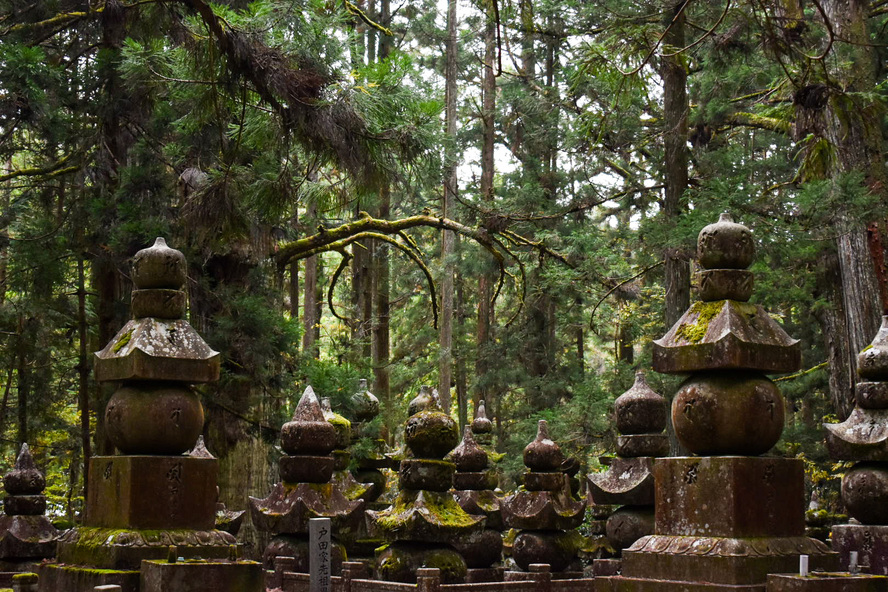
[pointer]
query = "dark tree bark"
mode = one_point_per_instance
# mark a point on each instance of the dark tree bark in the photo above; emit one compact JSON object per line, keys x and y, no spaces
{"x":311,"y":290}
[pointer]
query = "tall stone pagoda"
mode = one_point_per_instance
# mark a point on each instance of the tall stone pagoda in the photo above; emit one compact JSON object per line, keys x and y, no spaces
{"x":629,"y":480}
{"x":544,"y":512}
{"x":473,"y":485}
{"x":26,"y":534}
{"x":728,"y":517}
{"x":342,"y":478}
{"x":863,"y":438}
{"x":424,"y":521}
{"x":154,"y":496}
{"x":305,"y":490}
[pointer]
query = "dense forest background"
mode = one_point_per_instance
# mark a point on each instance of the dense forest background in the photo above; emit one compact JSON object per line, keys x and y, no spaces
{"x":497,"y":197}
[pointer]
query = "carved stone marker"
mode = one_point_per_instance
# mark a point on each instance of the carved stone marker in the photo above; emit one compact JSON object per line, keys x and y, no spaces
{"x":319,"y":556}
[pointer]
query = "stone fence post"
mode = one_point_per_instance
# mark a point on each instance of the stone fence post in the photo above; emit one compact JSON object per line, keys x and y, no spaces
{"x":24,"y":582}
{"x":428,"y":579}
{"x":541,"y":574}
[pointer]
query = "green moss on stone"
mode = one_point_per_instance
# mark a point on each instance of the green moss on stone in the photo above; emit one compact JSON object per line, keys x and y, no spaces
{"x":705,"y":312}
{"x":437,"y":508}
{"x":124,"y":339}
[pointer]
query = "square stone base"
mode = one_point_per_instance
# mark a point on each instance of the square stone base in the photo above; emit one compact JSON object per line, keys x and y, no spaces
{"x":152,"y":492}
{"x":870,"y":542}
{"x":827,"y":582}
{"x":57,"y":577}
{"x":203,"y":576}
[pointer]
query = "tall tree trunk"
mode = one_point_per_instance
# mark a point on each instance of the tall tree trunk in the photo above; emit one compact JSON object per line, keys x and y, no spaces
{"x":448,"y":242}
{"x":675,"y":139}
{"x":83,"y":368}
{"x":310,"y":318}
{"x":835,"y":334}
{"x":462,"y":389}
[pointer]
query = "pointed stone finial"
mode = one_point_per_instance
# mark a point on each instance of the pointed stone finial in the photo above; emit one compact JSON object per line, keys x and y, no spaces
{"x":366,"y":405}
{"x":200,"y":449}
{"x":725,"y":245}
{"x":543,"y":455}
{"x":481,"y":425}
{"x":339,"y":423}
{"x":640,"y":410}
{"x":468,"y":456}
{"x":308,"y":432}
{"x":159,"y":266}
{"x":423,"y":401}
{"x":25,"y":478}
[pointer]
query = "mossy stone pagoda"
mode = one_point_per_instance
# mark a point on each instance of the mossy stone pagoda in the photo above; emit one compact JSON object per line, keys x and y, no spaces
{"x":153,"y":497}
{"x":425,"y":520}
{"x":726,"y":518}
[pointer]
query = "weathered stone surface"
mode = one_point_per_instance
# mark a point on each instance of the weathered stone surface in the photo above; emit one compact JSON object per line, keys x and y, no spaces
{"x":725,"y":284}
{"x":114,"y":548}
{"x":158,"y":303}
{"x":297,"y":547}
{"x":152,"y":492}
{"x":640,"y":410}
{"x":726,"y":334}
{"x":870,"y":542}
{"x":26,"y":537}
{"x":628,"y":481}
{"x":24,"y":505}
{"x":288,"y":508}
{"x":154,"y":418}
{"x":721,"y":560}
{"x":56,"y":577}
{"x":481,"y":503}
{"x":634,"y":445}
{"x":431,"y":433}
{"x":731,"y":496}
{"x":159,"y":266}
{"x":468,"y":456}
{"x":861,"y":437}
{"x":544,"y":481}
{"x":480,"y":480}
{"x":424,"y":473}
{"x":202,"y":576}
{"x":340,"y":424}
{"x":543,"y":455}
{"x":872,"y":362}
{"x":481,"y":424}
{"x":364,"y":403}
{"x":425,"y":516}
{"x":399,"y":562}
{"x":728,"y":413}
{"x":557,"y":548}
{"x":826,"y":582}
{"x":351,"y":488}
{"x":305,"y":469}
{"x":865,"y":492}
{"x":24,"y":478}
{"x":308,"y":432}
{"x":543,"y":510}
{"x":157,"y":349}
{"x":628,"y":524}
{"x":872,"y":395}
{"x":725,"y":245}
{"x":480,"y":549}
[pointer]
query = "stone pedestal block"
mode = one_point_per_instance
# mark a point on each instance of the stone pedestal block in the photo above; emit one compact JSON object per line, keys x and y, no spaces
{"x":870,"y":542}
{"x":826,"y":582}
{"x":203,"y":576}
{"x":152,"y":492}
{"x":55,"y":577}
{"x":730,"y":496}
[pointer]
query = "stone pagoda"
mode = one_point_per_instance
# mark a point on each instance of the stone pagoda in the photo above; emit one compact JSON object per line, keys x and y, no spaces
{"x":629,"y":480}
{"x":342,"y":478}
{"x":425,"y":521}
{"x":482,"y":427}
{"x":305,"y":490}
{"x":727,"y":518}
{"x":544,"y":512}
{"x":473,"y":485}
{"x":370,"y":460}
{"x":26,"y":534}
{"x":863,"y":438}
{"x":154,"y":497}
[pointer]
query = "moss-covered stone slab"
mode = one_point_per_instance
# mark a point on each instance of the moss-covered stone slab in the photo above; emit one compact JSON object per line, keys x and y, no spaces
{"x":202,"y":576}
{"x":861,"y":437}
{"x":157,"y":349}
{"x":726,"y":334}
{"x":288,"y":508}
{"x":430,"y":516}
{"x":58,"y":577}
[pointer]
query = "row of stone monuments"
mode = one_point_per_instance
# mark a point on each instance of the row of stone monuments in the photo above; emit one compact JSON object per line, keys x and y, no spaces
{"x":725,"y":519}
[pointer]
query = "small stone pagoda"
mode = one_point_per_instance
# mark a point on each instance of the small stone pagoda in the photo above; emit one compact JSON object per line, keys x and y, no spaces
{"x":154,"y":497}
{"x":26,"y":534}
{"x":425,"y":521}
{"x":863,"y":438}
{"x":544,"y":512}
{"x":727,"y":518}
{"x":473,"y":485}
{"x":629,"y":480}
{"x":305,"y":490}
{"x":342,"y":478}
{"x":482,"y":427}
{"x":372,"y":459}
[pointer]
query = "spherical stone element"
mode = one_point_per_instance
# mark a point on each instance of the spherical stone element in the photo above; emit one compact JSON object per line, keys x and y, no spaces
{"x":717,"y":413}
{"x":872,"y":362}
{"x":399,"y":562}
{"x":365,"y":403}
{"x":640,"y":410}
{"x":25,"y":478}
{"x":557,"y":548}
{"x":468,"y":456}
{"x":154,"y":418}
{"x":872,"y":395}
{"x":628,"y":524}
{"x":480,"y":549}
{"x":158,"y":303}
{"x":725,"y":245}
{"x":306,"y":469}
{"x":339,"y":423}
{"x":159,"y":266}
{"x":543,"y":455}
{"x":481,"y":425}
{"x":427,"y":474}
{"x":431,"y":434}
{"x":308,"y":432}
{"x":865,"y":492}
